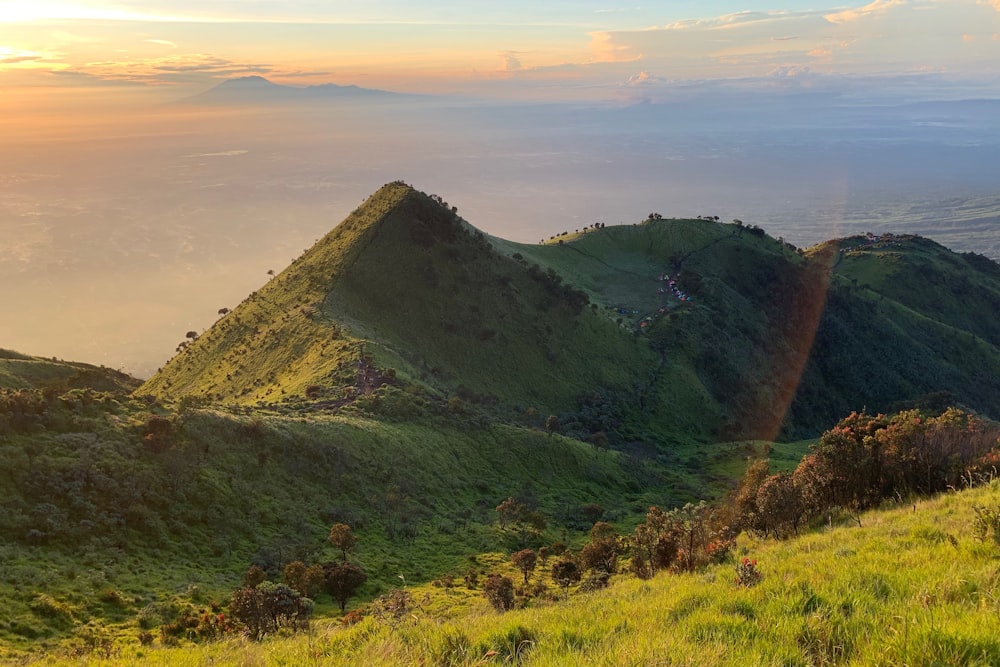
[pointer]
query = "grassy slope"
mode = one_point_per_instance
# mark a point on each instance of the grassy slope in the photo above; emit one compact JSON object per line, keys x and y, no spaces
{"x":919,"y":314}
{"x":911,"y":586}
{"x":21,"y":371}
{"x":404,"y":280}
{"x":92,"y":516}
{"x":773,"y":344}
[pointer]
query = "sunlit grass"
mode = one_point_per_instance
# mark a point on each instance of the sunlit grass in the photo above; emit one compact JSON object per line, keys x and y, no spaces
{"x":911,"y":586}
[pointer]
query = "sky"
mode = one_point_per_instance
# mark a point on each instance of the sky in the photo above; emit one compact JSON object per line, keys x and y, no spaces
{"x":64,"y":56}
{"x":127,"y":219}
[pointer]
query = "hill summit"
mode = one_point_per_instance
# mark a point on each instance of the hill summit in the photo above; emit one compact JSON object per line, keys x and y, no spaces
{"x":638,"y":333}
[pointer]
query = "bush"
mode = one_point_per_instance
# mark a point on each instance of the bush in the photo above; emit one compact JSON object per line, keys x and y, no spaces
{"x":268,"y":607}
{"x":499,"y":590}
{"x":986,"y":524}
{"x":747,"y":574}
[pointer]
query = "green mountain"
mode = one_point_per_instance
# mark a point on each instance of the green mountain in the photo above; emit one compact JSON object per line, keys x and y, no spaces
{"x":658,"y":332}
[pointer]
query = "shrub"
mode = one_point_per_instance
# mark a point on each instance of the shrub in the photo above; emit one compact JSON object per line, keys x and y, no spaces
{"x":565,"y":572}
{"x":396,"y":606}
{"x":747,"y":574}
{"x":986,"y":524}
{"x":499,"y":590}
{"x":268,"y":607}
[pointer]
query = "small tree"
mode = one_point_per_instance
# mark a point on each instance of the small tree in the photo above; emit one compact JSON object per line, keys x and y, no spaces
{"x":600,"y":554}
{"x":510,"y":511}
{"x":254,"y":576}
{"x":565,"y":572}
{"x":779,"y":504}
{"x":307,"y":581}
{"x":525,"y":560}
{"x":342,"y":537}
{"x":342,"y":580}
{"x":499,"y":590}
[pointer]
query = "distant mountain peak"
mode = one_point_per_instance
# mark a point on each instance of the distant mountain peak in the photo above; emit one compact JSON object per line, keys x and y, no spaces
{"x":258,"y":89}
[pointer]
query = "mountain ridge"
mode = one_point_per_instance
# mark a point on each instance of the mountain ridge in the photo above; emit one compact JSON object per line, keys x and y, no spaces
{"x":406,"y":296}
{"x":258,"y":89}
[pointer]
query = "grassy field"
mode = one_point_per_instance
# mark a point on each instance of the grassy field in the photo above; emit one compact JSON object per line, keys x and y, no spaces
{"x":911,"y":586}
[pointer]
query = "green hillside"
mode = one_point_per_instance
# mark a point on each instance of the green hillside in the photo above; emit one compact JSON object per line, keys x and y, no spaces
{"x":20,"y":371}
{"x":912,"y":586}
{"x":659,"y":333}
{"x":408,"y":374}
{"x":405,"y":285}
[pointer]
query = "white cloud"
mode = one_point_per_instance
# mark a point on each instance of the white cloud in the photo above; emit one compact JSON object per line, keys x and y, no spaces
{"x":644,"y":78}
{"x":511,"y":61}
{"x":874,"y":7}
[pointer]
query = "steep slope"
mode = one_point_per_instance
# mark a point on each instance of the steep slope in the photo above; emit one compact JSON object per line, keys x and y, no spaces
{"x":672,"y":330}
{"x":404,"y":292}
{"x":776,"y":342}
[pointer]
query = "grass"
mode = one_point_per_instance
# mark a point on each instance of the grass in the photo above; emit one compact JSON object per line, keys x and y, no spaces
{"x":775,"y":344}
{"x":399,"y":376}
{"x":911,"y":586}
{"x":21,"y":371}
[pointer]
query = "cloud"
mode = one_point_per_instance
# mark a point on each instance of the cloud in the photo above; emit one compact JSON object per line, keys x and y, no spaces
{"x":789,"y":71}
{"x":16,"y":59}
{"x":606,"y":47}
{"x":511,"y":62}
{"x":995,"y":4}
{"x":162,"y":42}
{"x":874,"y":7}
{"x":644,"y":78}
{"x":177,"y":69}
{"x":10,"y":56}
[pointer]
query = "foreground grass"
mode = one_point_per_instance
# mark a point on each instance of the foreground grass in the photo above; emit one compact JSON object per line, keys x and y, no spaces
{"x":910,"y":587}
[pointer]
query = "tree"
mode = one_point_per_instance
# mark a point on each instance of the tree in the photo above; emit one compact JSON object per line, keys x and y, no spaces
{"x":845,"y":468}
{"x":342,"y":537}
{"x":499,"y":590}
{"x":552,"y":424}
{"x":601,"y":552}
{"x":565,"y":571}
{"x":745,"y":496}
{"x":307,"y":581}
{"x":342,"y":580}
{"x":254,"y":576}
{"x":779,"y":504}
{"x":525,"y":560}
{"x":510,"y":511}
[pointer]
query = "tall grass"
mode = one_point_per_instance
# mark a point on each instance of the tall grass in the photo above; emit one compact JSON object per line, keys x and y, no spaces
{"x":910,"y":587}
